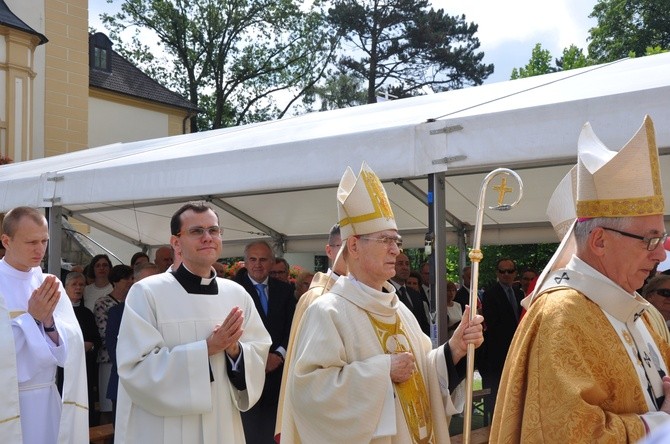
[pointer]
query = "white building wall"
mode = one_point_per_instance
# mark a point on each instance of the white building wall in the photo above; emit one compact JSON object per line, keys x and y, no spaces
{"x":111,"y":122}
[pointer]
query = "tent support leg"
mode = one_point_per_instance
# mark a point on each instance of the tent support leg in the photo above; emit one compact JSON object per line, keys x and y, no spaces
{"x":55,"y":219}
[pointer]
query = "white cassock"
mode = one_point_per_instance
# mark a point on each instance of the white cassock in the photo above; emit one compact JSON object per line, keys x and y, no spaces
{"x":32,"y":411}
{"x":165,"y":394}
{"x":339,"y":388}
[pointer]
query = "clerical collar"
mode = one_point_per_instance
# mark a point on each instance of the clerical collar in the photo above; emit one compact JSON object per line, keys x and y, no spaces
{"x":195,"y":284}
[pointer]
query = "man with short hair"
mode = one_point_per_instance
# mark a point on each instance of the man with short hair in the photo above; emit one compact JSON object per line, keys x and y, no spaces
{"x":411,"y":298}
{"x":38,"y":333}
{"x":363,"y":371}
{"x":275,"y":302}
{"x":192,"y":348}
{"x":164,"y":258}
{"x":501,"y":307}
{"x":280,"y":270}
{"x":584,"y":365}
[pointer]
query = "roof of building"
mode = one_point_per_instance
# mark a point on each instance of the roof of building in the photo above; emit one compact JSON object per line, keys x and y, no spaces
{"x":9,"y":19}
{"x":125,"y":78}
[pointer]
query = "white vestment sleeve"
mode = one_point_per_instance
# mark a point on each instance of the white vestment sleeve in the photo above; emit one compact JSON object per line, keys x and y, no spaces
{"x":387,"y":425}
{"x":35,"y":352}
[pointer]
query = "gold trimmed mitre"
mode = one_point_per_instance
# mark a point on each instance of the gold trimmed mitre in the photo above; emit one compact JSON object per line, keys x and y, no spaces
{"x":619,"y":184}
{"x":362,"y":204}
{"x":561,"y":210}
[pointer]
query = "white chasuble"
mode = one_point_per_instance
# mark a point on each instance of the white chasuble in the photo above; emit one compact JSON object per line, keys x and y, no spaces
{"x":339,"y":388}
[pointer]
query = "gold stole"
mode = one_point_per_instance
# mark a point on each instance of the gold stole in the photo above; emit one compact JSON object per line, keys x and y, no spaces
{"x":412,"y":393}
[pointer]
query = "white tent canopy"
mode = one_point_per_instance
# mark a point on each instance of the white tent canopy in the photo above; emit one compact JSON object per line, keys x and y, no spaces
{"x":278,"y":179}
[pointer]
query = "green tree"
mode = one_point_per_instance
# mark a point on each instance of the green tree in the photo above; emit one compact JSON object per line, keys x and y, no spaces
{"x":628,"y":26}
{"x":401,"y":44}
{"x":539,"y":63}
{"x":573,"y":58}
{"x":339,"y":91}
{"x":229,"y":57}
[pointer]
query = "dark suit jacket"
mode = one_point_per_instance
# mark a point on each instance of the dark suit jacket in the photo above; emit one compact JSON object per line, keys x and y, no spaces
{"x":417,"y":308}
{"x":462,"y":297}
{"x":500,"y":327}
{"x":281,"y":305}
{"x":259,"y":421}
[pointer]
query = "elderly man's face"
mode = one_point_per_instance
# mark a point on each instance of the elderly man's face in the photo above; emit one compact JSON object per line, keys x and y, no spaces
{"x":377,"y":257}
{"x":625,"y":260}
{"x":259,"y":261}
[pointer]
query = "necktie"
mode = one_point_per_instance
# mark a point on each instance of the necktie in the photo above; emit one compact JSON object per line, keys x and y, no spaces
{"x":404,"y":297}
{"x":512,"y":301}
{"x":260,"y":288}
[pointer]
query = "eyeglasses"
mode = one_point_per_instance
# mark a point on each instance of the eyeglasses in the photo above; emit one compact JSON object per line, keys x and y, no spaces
{"x":279,"y":272}
{"x":511,"y":271}
{"x":652,"y":242}
{"x":664,"y":292}
{"x":386,"y":240}
{"x":196,"y":232}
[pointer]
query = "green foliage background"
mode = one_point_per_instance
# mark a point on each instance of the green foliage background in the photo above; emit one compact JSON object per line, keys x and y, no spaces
{"x":533,"y":256}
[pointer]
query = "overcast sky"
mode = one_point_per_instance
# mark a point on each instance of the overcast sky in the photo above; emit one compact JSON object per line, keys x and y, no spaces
{"x":508,"y":30}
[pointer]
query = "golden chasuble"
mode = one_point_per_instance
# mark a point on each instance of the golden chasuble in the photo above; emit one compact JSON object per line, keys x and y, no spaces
{"x":412,"y":393}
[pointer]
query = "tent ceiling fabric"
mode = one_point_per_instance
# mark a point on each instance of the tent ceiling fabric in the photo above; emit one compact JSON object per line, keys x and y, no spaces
{"x":283,"y":174}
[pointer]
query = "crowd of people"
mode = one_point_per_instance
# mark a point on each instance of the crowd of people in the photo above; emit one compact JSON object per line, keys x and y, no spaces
{"x":173,"y":352}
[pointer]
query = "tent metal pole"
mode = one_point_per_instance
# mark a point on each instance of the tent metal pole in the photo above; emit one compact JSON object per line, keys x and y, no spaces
{"x":55,"y":219}
{"x":436,"y":223}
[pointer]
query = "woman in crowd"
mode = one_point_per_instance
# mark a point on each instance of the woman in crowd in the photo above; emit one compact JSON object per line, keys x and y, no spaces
{"x":98,"y":272}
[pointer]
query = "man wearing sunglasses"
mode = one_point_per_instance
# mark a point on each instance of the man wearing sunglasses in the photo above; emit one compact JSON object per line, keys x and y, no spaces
{"x":501,"y":309}
{"x":192,"y":348}
{"x":363,"y":371}
{"x":585,"y":365}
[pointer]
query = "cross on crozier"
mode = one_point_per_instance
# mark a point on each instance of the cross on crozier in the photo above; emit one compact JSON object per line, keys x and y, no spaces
{"x":502,"y":189}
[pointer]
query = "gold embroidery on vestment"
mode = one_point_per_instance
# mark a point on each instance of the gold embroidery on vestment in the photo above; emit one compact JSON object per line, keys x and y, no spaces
{"x":412,"y":393}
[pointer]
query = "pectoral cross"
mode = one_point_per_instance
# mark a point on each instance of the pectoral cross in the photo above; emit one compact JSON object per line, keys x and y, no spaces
{"x":502,"y":189}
